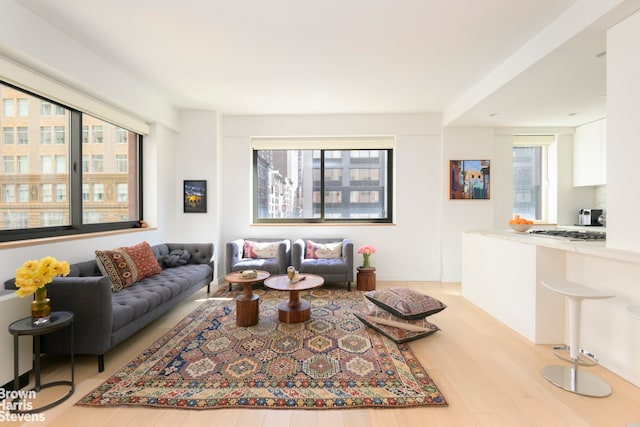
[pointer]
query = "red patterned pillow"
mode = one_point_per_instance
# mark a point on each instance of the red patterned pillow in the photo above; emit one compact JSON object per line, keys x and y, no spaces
{"x":144,"y":259}
{"x":118,"y":266}
{"x":127,"y":265}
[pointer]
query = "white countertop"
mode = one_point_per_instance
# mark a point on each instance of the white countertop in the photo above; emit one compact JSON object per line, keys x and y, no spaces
{"x":587,"y":247}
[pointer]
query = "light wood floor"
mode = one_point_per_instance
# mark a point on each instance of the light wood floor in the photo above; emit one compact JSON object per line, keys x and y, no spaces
{"x":489,"y":375}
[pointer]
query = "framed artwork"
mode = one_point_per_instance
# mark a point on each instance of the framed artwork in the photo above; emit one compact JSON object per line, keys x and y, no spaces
{"x":469,"y":179}
{"x":195,"y":196}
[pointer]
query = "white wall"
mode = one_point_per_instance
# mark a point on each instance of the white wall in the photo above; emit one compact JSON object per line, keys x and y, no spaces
{"x":459,"y":215}
{"x":405,"y":249}
{"x":623,"y":129}
{"x":195,"y":158}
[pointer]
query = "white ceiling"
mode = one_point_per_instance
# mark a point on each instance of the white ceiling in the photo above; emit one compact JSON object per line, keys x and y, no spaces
{"x":354,"y":56}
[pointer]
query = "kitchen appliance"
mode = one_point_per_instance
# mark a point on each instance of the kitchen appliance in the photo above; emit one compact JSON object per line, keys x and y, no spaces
{"x":589,"y":217}
{"x":571,"y":234}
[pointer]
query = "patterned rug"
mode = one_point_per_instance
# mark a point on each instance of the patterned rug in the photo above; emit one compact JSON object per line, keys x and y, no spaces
{"x":331,"y":361}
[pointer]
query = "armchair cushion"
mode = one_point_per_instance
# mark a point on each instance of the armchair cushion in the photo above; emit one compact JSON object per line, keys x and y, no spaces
{"x":260,"y":249}
{"x":323,"y":250}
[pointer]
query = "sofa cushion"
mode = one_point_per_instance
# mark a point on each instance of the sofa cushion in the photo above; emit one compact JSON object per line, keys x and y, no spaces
{"x":397,"y":329}
{"x":405,"y":303}
{"x":266,"y":250}
{"x":316,"y":250}
{"x":127,"y":265}
{"x":142,"y":297}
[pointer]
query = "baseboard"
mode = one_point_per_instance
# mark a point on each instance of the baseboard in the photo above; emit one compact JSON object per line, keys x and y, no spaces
{"x":23,"y":381}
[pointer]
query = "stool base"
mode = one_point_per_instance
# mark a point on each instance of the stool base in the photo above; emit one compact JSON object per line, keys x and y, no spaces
{"x":585,"y":358}
{"x":576,"y":381}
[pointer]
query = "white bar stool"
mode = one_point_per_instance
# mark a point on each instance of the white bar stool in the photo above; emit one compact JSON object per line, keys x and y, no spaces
{"x":634,"y":311}
{"x":569,"y":377}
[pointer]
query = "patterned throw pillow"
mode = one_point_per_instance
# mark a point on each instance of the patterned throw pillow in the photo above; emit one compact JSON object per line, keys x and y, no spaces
{"x":127,"y":265}
{"x":261,"y":249}
{"x":144,"y":259}
{"x":405,"y":303}
{"x":395,"y":328}
{"x":323,"y":250}
{"x":118,"y":266}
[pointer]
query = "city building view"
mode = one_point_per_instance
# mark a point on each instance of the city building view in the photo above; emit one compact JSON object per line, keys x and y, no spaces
{"x":328,"y":184}
{"x":35,"y":149}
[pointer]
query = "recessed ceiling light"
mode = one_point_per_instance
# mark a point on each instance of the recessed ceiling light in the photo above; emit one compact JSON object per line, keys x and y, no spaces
{"x":572,"y":114}
{"x":601,"y":54}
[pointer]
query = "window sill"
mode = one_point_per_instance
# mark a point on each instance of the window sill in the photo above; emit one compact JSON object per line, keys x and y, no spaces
{"x":47,"y":240}
{"x":323,"y":224}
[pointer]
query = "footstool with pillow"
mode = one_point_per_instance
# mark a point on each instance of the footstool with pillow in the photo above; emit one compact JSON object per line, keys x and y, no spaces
{"x":400,"y":314}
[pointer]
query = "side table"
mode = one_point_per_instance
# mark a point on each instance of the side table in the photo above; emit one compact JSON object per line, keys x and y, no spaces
{"x":247,"y":302}
{"x":58,"y":320}
{"x":366,"y":279}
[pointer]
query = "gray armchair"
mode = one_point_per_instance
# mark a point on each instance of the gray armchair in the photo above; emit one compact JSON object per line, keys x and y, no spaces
{"x":237,"y":260}
{"x":339,"y":269}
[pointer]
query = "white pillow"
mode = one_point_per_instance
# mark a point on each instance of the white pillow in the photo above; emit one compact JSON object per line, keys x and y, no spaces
{"x":323,"y":250}
{"x":261,"y":249}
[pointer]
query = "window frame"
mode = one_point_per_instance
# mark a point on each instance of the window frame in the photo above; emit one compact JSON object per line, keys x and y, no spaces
{"x":75,"y":184}
{"x":328,"y":145}
{"x":548,"y":146}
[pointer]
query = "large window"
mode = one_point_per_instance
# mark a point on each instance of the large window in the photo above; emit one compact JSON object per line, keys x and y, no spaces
{"x":533,"y":177}
{"x":54,"y":184}
{"x":312,"y":180}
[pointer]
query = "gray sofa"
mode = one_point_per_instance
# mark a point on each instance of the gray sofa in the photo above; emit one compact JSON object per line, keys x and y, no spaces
{"x":104,"y":318}
{"x":237,"y":260}
{"x":331,"y":269}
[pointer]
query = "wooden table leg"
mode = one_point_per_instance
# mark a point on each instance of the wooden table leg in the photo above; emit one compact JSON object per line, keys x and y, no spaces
{"x":247,"y":310}
{"x":295,"y":310}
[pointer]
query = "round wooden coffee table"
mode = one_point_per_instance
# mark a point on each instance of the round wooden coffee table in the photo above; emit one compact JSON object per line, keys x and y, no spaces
{"x":247,"y":302}
{"x":295,"y":310}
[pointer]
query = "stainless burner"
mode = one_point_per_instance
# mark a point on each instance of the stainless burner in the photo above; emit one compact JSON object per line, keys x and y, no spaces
{"x":572,"y":234}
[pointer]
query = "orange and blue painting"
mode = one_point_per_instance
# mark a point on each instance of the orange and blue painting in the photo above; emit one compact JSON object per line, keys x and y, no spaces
{"x":469,"y":179}
{"x":195,"y":196}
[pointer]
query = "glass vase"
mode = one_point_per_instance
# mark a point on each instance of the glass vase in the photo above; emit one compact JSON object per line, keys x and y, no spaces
{"x":40,"y":307}
{"x":365,"y":261}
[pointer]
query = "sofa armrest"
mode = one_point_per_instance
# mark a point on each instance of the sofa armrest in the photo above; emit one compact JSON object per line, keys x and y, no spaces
{"x":90,"y":300}
{"x":297,"y":253}
{"x":284,"y":256}
{"x":347,"y":256}
{"x":233,"y":254}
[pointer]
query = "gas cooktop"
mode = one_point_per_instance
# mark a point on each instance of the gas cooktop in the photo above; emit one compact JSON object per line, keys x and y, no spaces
{"x":572,"y":234}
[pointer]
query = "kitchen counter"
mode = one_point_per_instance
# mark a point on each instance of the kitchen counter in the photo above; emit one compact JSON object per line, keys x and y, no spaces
{"x":596,"y":248}
{"x":502,"y":273}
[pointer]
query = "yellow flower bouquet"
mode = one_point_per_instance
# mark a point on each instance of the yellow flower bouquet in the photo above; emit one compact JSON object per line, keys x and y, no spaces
{"x":34,"y":275}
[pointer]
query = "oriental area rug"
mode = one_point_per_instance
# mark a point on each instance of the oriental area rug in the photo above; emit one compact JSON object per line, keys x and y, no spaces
{"x":330,"y":361}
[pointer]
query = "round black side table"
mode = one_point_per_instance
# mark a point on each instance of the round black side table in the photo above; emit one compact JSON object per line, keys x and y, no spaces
{"x":58,"y":320}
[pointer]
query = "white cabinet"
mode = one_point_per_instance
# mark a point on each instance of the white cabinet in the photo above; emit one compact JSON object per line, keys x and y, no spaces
{"x":503,"y":278}
{"x":590,"y":154}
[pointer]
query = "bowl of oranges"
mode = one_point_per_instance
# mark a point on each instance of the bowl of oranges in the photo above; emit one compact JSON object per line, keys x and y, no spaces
{"x":520,"y":225}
